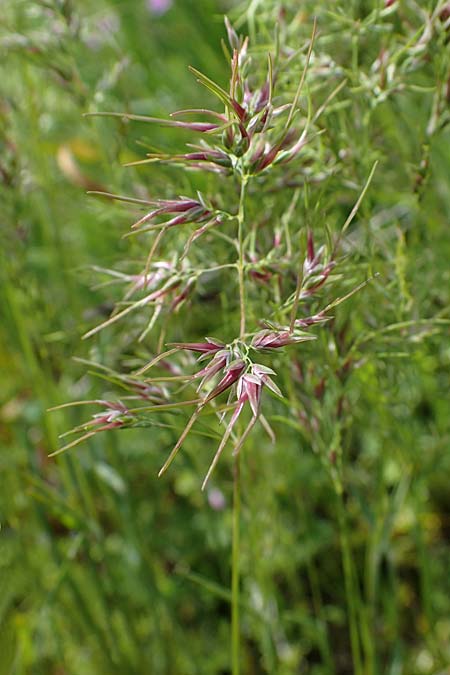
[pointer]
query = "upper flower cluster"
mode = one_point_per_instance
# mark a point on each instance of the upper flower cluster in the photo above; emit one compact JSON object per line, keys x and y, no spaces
{"x":248,"y":136}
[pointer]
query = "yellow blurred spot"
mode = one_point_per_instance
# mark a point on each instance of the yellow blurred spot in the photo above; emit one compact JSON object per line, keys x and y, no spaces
{"x":70,"y":169}
{"x":83,"y":150}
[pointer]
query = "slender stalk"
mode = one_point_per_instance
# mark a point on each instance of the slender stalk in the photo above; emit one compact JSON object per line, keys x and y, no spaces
{"x":235,"y":621}
{"x":235,"y":627}
{"x":316,"y":597}
{"x":240,"y":217}
{"x":349,"y":581}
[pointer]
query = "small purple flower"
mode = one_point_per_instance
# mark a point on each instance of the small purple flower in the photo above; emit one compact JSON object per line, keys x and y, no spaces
{"x":216,"y":499}
{"x":159,"y":6}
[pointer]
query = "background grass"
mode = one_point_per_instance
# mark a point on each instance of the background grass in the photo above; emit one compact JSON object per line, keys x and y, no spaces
{"x":104,"y":568}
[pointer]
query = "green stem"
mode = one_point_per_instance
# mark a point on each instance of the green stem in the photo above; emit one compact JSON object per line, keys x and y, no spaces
{"x":240,"y":217}
{"x":235,"y":628}
{"x":351,"y":590}
{"x":316,"y":596}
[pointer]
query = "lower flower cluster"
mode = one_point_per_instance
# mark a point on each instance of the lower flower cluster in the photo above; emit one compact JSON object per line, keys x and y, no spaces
{"x":229,"y":368}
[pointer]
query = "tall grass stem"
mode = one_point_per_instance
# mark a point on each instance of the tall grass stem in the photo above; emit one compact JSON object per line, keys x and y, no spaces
{"x":235,"y":569}
{"x":241,"y":217}
{"x":351,"y":590}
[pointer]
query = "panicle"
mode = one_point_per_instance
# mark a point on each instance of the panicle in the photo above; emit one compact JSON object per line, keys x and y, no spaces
{"x":249,"y":136}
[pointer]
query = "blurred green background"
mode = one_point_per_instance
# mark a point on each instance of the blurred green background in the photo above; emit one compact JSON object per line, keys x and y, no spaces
{"x":103,"y":568}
